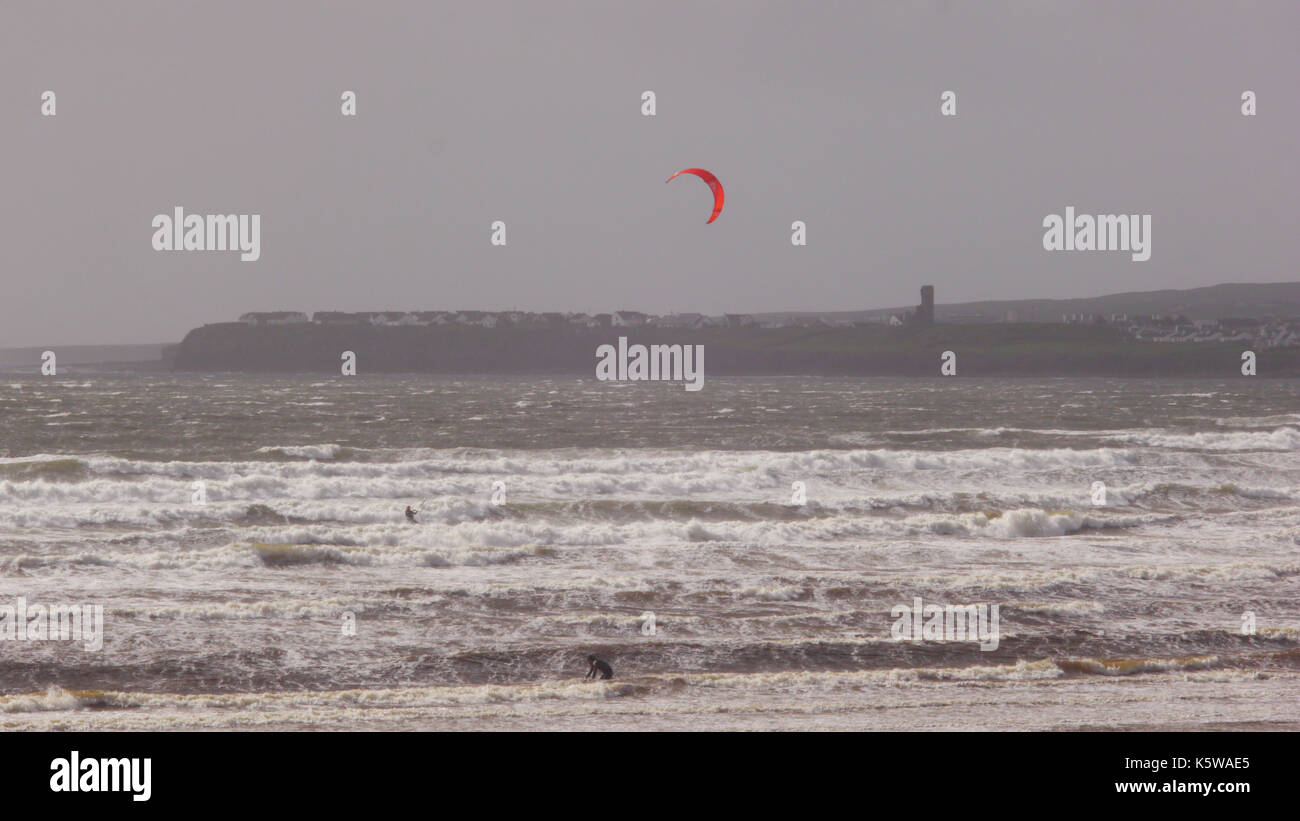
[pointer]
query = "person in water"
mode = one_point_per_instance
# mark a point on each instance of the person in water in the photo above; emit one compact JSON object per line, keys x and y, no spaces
{"x":598,"y":666}
{"x":410,"y":514}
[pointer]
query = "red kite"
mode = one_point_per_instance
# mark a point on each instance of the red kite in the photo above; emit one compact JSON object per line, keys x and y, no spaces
{"x":713,"y":184}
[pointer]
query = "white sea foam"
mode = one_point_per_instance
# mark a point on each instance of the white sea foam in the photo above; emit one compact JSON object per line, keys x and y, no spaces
{"x":1280,"y":439}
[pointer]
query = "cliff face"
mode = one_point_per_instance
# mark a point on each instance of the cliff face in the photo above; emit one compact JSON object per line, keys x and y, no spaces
{"x":1006,"y":349}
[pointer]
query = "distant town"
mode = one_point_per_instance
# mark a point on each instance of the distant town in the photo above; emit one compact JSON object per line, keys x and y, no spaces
{"x":497,"y":319}
{"x":1261,"y":332}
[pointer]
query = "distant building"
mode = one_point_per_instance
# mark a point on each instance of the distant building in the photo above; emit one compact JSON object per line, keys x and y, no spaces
{"x":925,"y":313}
{"x":810,"y":322}
{"x":431,"y":317}
{"x":629,"y":319}
{"x":688,"y":320}
{"x":335,"y":318}
{"x":738,"y":320}
{"x":482,"y":319}
{"x":1081,"y":319}
{"x":274,"y":318}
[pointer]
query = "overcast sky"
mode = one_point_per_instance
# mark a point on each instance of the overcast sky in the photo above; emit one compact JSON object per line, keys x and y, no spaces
{"x":530,"y":113}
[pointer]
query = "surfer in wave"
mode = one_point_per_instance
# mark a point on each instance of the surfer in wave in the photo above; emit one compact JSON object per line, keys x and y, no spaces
{"x":598,"y":667}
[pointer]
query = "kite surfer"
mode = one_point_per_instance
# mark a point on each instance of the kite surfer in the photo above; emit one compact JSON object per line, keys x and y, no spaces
{"x":410,"y":515}
{"x":598,"y":666}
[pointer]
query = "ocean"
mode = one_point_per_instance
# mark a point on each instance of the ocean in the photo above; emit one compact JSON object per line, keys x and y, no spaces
{"x":738,"y":555}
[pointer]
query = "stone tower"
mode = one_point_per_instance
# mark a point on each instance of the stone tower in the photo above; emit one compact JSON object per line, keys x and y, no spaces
{"x":925,"y":313}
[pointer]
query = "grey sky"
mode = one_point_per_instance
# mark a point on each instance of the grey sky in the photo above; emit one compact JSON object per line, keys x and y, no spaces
{"x":529,"y":112}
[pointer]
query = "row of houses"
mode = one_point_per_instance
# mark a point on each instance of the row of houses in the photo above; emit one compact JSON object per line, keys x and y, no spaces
{"x":493,"y":319}
{"x":1266,"y":333}
{"x":1260,"y":333}
{"x":1150,"y":328}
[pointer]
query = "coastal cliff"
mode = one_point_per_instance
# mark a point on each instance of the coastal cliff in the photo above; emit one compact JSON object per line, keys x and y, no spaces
{"x":1011,"y":349}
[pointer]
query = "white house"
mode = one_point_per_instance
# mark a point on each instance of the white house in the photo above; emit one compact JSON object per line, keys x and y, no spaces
{"x":628,"y":319}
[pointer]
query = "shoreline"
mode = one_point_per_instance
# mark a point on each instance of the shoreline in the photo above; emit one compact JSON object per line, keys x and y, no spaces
{"x":1024,"y":349}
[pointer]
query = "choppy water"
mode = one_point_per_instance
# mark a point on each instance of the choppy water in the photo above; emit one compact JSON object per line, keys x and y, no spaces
{"x":625,"y":499}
